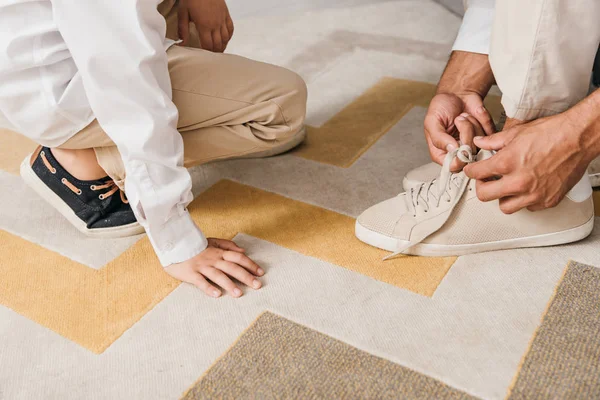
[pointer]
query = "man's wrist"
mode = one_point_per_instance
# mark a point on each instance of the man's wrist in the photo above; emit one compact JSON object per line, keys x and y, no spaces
{"x":585,"y":118}
{"x":467,"y":73}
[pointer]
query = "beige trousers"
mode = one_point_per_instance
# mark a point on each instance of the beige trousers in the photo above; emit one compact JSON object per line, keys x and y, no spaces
{"x":542,"y":54}
{"x":229,"y":107}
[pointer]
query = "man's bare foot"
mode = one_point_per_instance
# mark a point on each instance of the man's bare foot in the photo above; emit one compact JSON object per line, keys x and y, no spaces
{"x":82,"y":164}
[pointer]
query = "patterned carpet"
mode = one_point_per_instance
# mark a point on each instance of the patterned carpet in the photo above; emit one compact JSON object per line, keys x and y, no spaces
{"x":99,"y":319}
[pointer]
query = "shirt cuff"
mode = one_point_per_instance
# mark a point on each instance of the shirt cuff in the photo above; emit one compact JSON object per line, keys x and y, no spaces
{"x":178,"y":240}
{"x":475,"y":32}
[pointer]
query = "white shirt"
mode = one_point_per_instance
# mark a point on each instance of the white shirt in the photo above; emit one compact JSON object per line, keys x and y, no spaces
{"x":65,"y":62}
{"x":475,"y":32}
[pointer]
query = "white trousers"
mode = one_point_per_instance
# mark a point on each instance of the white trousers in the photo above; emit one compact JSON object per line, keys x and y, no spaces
{"x":542,"y":54}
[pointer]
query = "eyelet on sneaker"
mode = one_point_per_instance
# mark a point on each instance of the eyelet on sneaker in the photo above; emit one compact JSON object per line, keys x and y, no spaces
{"x":73,"y":188}
{"x":93,"y":187}
{"x":47,"y":163}
{"x":101,"y":197}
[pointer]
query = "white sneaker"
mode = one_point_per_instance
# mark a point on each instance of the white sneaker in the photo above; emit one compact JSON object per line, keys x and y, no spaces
{"x":594,"y":171}
{"x":444,"y":217}
{"x":430,"y":171}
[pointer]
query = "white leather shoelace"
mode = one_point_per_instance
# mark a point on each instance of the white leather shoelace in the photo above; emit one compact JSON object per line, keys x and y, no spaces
{"x":429,"y":194}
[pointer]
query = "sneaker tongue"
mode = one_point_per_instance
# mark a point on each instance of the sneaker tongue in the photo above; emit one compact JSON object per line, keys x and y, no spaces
{"x":484,"y":155}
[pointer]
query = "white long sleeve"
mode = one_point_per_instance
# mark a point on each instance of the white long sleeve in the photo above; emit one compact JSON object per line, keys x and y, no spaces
{"x":118,"y":48}
{"x":475,"y":32}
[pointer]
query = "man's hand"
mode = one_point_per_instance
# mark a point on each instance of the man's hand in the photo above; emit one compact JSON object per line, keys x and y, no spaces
{"x":463,"y":86}
{"x":452,"y":117}
{"x":221,"y":261}
{"x":538,"y":162}
{"x":212,"y":21}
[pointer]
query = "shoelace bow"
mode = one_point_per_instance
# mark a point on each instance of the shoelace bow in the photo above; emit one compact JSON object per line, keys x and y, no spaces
{"x":430,"y":194}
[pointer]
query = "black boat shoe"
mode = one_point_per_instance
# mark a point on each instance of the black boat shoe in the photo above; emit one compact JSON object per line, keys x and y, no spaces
{"x":97,"y":208}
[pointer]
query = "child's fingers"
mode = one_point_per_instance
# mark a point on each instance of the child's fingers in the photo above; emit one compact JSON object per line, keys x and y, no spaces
{"x":200,"y":282}
{"x":222,"y":280}
{"x":244,"y":261}
{"x":183,"y":16}
{"x":226,"y":245}
{"x":238,"y":273}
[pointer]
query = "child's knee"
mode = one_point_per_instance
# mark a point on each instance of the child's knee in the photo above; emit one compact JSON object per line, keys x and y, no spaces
{"x":294,"y":99}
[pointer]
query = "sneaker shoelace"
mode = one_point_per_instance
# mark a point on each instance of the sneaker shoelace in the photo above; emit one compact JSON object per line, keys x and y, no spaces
{"x":429,"y":195}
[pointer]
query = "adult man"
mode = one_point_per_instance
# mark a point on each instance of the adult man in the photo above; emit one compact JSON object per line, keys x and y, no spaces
{"x":541,"y":56}
{"x":104,"y":93}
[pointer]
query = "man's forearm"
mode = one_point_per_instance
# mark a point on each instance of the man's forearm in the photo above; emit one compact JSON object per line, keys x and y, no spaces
{"x":467,"y":73}
{"x":586,"y":116}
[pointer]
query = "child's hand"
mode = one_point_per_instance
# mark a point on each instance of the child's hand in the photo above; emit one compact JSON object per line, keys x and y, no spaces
{"x":212,"y":20}
{"x":221,"y":260}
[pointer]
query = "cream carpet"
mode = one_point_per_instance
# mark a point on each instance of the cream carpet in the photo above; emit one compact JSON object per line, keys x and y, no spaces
{"x":93,"y":319}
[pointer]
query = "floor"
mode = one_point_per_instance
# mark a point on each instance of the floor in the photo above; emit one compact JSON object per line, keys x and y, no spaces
{"x":245,"y":8}
{"x":99,"y":319}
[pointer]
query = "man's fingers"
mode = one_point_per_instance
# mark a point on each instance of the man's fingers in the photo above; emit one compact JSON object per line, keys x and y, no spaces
{"x":482,"y":115}
{"x":436,"y":154}
{"x":218,"y":277}
{"x":497,"y":189}
{"x":244,"y":261}
{"x":436,"y":132}
{"x":486,"y":169}
{"x":183,"y":24}
{"x":495,"y":142}
{"x":537,"y":207}
{"x":239,"y":273}
{"x":206,"y":40}
{"x":200,"y":282}
{"x":217,"y":41}
{"x":476,"y":125}
{"x":510,"y":205}
{"x":466,"y":129}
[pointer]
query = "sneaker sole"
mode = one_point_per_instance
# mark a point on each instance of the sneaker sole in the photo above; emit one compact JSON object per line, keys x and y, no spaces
{"x":441,"y":250}
{"x":34,"y":182}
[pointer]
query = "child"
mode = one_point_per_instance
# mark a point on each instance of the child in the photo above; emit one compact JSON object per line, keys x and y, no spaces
{"x":107,"y":97}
